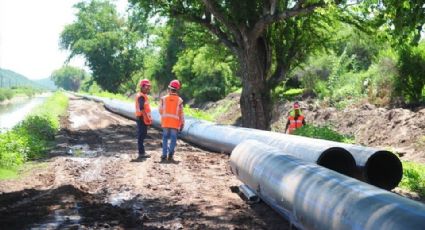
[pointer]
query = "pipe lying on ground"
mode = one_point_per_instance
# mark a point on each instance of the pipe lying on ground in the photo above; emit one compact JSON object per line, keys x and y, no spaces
{"x":380,"y":168}
{"x":313,"y":197}
{"x":224,"y":138}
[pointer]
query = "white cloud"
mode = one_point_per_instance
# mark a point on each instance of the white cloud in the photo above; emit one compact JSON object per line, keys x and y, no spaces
{"x":29,"y":35}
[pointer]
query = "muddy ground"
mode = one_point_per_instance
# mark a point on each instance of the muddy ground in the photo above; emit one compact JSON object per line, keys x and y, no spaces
{"x":91,"y":181}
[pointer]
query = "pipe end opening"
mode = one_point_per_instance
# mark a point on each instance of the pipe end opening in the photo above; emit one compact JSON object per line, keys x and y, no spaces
{"x":384,"y":170}
{"x":339,"y":160}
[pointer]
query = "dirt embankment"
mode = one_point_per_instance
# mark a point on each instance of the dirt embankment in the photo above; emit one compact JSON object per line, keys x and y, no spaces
{"x":399,"y":130}
{"x":92,"y":182}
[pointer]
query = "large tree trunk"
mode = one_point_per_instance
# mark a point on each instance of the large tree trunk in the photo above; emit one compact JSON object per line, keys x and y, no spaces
{"x":255,"y":100}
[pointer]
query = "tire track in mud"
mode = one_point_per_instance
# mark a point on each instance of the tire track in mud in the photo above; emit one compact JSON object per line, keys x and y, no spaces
{"x":92,"y":181}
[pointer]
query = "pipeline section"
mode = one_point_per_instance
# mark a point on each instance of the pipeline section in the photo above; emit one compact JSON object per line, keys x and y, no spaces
{"x":313,"y":197}
{"x":377,"y":167}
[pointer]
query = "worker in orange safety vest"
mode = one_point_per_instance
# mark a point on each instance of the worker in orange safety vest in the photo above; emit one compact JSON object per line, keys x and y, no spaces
{"x":295,"y":119}
{"x":172,"y":119}
{"x":143,"y":116}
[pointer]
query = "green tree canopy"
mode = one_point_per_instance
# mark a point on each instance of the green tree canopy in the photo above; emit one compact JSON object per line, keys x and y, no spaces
{"x":68,"y":77}
{"x":110,"y":44}
{"x":268,"y":38}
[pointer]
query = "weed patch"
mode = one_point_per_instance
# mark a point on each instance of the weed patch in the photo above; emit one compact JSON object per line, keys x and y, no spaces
{"x":413,"y":177}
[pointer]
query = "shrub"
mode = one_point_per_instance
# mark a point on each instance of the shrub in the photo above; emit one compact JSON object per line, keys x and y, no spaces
{"x":5,"y":94}
{"x":13,"y":149}
{"x":411,"y":80}
{"x":413,"y":177}
{"x":323,"y":132}
{"x":37,"y":131}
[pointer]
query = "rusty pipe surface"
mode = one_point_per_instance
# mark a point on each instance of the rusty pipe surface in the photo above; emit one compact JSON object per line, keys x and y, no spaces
{"x":377,"y":167}
{"x":313,"y":197}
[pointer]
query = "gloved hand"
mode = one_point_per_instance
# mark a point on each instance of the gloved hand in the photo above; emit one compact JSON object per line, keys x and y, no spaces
{"x":181,"y":127}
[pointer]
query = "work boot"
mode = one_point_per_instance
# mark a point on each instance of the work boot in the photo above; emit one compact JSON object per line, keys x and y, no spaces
{"x":143,"y":155}
{"x":170,"y":158}
{"x":163,"y":158}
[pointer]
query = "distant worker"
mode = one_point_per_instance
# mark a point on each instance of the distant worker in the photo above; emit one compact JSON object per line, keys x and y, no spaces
{"x":172,"y":119}
{"x":143,"y":115}
{"x":295,"y":119}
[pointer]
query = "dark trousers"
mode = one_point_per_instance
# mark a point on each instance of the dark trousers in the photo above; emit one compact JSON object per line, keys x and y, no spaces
{"x":142,"y":131}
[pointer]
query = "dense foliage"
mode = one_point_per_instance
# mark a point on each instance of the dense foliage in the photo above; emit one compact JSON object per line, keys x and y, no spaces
{"x":108,"y":42}
{"x":69,"y":78}
{"x":412,"y":73}
{"x":414,"y":177}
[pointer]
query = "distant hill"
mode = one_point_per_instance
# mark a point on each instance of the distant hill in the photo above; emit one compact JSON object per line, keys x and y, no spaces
{"x":47,"y":83}
{"x":9,"y":79}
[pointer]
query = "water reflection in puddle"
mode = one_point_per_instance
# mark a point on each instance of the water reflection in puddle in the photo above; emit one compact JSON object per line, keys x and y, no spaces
{"x":83,"y":150}
{"x":61,"y":218}
{"x":119,"y":198}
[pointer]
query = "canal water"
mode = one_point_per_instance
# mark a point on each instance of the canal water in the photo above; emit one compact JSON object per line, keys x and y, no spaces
{"x":11,"y":114}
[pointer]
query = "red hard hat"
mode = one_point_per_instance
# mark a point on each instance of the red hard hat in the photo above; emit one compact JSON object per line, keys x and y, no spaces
{"x":296,"y":105}
{"x":174,"y":84}
{"x":144,"y":82}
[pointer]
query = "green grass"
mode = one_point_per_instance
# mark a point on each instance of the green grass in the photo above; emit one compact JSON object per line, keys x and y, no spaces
{"x":323,"y":132}
{"x":196,"y":113}
{"x":292,"y":92}
{"x":8,"y":174}
{"x":111,"y":96}
{"x":413,"y":177}
{"x":6,"y":93}
{"x":22,"y":170}
{"x":220,"y":109}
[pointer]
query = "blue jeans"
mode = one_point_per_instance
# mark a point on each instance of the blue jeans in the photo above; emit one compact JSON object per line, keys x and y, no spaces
{"x":168,"y":133}
{"x":142,"y":131}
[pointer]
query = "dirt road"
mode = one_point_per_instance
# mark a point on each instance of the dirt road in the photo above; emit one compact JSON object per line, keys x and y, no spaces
{"x":90,"y":181}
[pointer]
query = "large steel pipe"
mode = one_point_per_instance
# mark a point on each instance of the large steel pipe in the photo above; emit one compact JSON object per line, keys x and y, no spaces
{"x":224,"y":138}
{"x":313,"y":197}
{"x":380,"y":168}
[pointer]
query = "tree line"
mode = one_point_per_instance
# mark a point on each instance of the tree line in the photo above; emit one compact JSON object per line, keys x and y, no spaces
{"x":260,"y":47}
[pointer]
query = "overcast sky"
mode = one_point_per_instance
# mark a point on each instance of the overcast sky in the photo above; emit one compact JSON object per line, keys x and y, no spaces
{"x":29,"y":35}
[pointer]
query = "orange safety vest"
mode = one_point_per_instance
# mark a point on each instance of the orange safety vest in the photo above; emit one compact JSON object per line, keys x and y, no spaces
{"x":171,"y":110}
{"x":295,"y":124}
{"x":146,"y":112}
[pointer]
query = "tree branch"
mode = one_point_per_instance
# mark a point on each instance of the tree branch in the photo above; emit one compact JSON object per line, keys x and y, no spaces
{"x":298,"y":4}
{"x":220,"y":17}
{"x":273,"y":7}
{"x":212,"y":28}
{"x":268,"y":19}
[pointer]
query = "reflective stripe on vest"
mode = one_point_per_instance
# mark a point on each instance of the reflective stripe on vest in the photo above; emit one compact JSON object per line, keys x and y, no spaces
{"x":171,"y":112}
{"x":294,"y":124}
{"x":146,"y":112}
